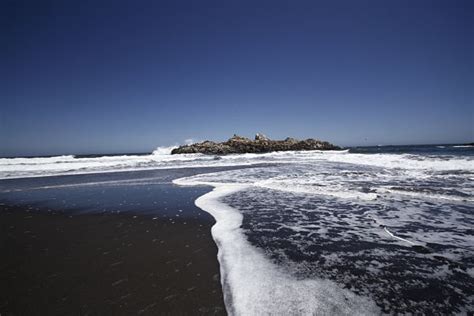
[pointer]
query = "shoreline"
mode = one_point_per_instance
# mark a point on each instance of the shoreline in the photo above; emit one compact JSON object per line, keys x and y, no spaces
{"x":108,"y":243}
{"x":61,"y":263}
{"x":262,"y":285}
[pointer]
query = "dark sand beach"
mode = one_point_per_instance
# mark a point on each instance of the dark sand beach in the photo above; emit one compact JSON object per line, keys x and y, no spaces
{"x":114,"y":264}
{"x":107,"y":244}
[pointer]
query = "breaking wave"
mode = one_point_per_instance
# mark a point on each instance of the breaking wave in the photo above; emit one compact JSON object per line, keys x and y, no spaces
{"x":161,"y":158}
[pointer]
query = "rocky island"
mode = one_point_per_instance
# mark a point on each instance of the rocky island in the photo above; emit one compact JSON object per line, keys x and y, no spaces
{"x":261,"y":144}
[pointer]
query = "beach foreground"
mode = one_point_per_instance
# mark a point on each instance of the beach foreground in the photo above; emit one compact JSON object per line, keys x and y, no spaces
{"x":107,"y":244}
{"x":114,"y":264}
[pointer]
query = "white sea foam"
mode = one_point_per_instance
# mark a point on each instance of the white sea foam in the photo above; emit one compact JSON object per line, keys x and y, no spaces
{"x":312,"y":187}
{"x":315,"y":201}
{"x":163,"y":150}
{"x":254,"y":286}
{"x":162,"y":159}
{"x":436,"y":196}
{"x":35,"y":160}
{"x":403,"y":161}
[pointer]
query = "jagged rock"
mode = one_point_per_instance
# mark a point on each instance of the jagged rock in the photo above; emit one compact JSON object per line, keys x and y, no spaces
{"x":237,"y":138}
{"x":261,"y":137}
{"x":261,"y":144}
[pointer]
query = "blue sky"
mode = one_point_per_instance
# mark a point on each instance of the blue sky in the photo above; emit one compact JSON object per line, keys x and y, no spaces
{"x":128,"y":76}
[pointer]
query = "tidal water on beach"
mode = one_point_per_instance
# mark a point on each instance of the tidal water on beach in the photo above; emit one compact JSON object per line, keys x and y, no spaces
{"x":360,"y":231}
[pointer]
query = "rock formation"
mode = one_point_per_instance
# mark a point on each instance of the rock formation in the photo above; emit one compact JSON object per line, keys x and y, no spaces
{"x":261,"y":144}
{"x":261,"y":137}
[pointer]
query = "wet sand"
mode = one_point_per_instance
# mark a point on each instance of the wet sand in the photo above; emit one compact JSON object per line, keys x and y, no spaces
{"x":55,"y":263}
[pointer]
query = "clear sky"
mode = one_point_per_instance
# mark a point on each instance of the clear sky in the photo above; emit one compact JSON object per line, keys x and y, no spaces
{"x":128,"y":76}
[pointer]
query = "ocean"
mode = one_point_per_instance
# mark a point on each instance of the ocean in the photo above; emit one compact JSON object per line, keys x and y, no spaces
{"x":366,"y":230}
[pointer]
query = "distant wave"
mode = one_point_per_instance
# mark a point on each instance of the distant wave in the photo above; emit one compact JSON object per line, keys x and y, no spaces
{"x":163,"y":150}
{"x":36,"y":160}
{"x":162,"y":159}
